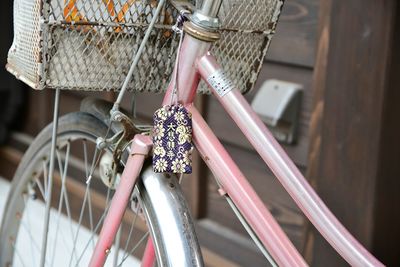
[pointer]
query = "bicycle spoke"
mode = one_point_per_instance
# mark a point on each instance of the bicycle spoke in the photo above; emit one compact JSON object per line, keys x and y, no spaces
{"x":64,"y":191}
{"x":40,"y":186}
{"x":117,"y":245}
{"x":31,"y":243}
{"x":67,"y":207}
{"x":96,"y":228}
{"x":85,"y":157}
{"x":80,"y":220}
{"x":29,"y":225}
{"x":90,"y":214}
{"x":93,"y":234}
{"x":134,"y":248}
{"x":18,"y":255}
{"x":60,"y":203}
{"x":44,"y":165}
{"x":130,"y":235}
{"x":95,"y":160}
{"x":28,"y":230}
{"x":46,"y":217}
{"x":63,"y":172}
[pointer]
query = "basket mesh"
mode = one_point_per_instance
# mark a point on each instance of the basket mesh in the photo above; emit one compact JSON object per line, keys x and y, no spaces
{"x":89,"y":44}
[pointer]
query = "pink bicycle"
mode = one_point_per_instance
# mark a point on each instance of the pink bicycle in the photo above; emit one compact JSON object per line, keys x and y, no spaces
{"x":87,"y":176}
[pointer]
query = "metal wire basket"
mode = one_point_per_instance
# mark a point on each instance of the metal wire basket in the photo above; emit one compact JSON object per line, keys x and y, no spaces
{"x":88,"y":44}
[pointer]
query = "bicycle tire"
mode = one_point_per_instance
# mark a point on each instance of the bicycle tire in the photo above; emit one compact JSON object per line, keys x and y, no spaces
{"x":84,"y":126}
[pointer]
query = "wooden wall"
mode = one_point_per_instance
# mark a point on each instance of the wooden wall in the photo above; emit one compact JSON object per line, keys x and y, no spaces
{"x":354,"y":157}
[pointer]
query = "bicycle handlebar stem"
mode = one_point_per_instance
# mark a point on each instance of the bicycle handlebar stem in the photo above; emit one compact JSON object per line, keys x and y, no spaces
{"x":210,"y":7}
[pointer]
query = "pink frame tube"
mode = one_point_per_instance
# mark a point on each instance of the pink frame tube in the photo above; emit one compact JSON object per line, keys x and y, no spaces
{"x":285,"y":170}
{"x":140,"y":148}
{"x":235,"y":184}
{"x":188,"y":78}
{"x":149,"y":255}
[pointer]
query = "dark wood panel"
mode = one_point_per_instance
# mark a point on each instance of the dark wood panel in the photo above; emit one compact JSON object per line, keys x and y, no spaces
{"x":295,"y":38}
{"x":358,"y":169}
{"x":267,"y":187}
{"x":317,"y":114}
{"x":37,"y":113}
{"x":226,"y":130}
{"x":39,"y":107}
{"x":9,"y":159}
{"x":387,"y":214}
{"x":6,"y":19}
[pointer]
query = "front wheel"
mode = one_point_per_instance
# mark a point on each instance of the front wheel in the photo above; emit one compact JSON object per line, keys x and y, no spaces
{"x":80,"y":200}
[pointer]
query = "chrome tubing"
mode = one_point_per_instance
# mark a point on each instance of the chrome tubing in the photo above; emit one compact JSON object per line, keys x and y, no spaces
{"x":178,"y":239}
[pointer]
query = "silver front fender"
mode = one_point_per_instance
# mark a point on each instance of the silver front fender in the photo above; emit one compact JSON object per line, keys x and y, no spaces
{"x":176,"y":242}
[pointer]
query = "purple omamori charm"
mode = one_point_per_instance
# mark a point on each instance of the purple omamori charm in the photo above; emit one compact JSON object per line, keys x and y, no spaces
{"x":172,"y":140}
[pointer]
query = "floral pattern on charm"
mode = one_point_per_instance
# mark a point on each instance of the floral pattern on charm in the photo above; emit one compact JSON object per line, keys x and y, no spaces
{"x":172,"y":140}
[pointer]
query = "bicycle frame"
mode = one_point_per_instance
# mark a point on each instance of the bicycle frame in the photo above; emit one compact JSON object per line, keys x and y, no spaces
{"x":195,"y":64}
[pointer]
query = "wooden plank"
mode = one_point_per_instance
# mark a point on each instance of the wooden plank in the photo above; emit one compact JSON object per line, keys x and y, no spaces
{"x":386,"y":228}
{"x":197,"y":192}
{"x":356,"y":132}
{"x":296,"y":34}
{"x":317,"y":115}
{"x":9,"y":159}
{"x":227,"y":131}
{"x":37,"y":114}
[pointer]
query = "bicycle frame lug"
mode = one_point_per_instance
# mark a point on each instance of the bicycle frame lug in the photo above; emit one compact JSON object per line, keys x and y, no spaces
{"x":210,"y":7}
{"x":141,"y":145}
{"x":204,"y":21}
{"x":200,"y":33}
{"x":222,"y":192}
